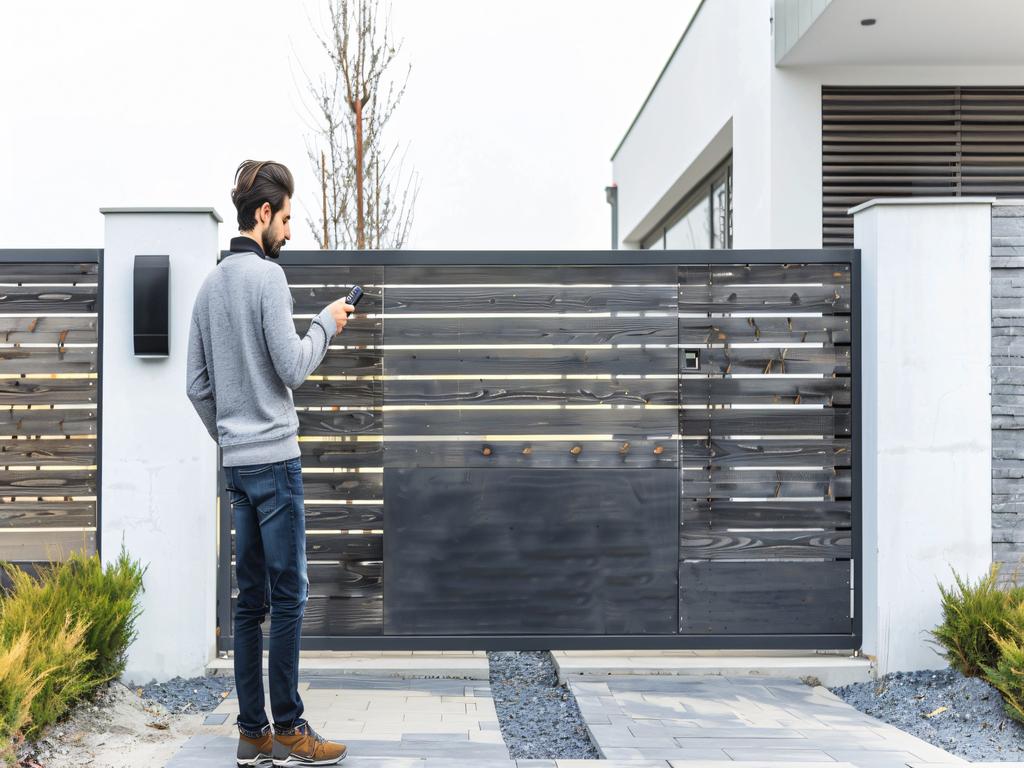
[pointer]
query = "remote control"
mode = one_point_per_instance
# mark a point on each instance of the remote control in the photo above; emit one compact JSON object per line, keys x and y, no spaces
{"x":354,"y":296}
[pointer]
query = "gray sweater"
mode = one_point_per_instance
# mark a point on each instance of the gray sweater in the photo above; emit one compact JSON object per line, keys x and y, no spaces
{"x":244,"y":358}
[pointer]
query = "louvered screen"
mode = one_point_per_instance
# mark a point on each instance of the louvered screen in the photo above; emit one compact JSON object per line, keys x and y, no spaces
{"x":916,"y":141}
{"x":49,"y":405}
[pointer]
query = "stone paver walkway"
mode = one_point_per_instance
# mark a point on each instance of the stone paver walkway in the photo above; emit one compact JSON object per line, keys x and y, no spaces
{"x":658,"y":721}
{"x":378,"y":717}
{"x":773,"y":721}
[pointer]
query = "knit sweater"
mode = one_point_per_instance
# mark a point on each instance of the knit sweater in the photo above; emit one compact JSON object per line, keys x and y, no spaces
{"x":245,"y":358}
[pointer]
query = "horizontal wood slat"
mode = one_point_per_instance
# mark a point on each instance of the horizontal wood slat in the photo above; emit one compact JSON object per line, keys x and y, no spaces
{"x":759,"y":452}
{"x":565,"y":361}
{"x":339,"y":546}
{"x":512,"y":391}
{"x":831,"y":329}
{"x":47,"y":514}
{"x":333,"y":616}
{"x":48,"y":391}
{"x":48,"y":360}
{"x":348,"y":578}
{"x":515,"y":300}
{"x":45,"y":545}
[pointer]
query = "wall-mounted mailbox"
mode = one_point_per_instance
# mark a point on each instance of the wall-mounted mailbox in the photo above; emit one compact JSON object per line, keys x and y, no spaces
{"x":151,"y":302}
{"x":691,"y":359}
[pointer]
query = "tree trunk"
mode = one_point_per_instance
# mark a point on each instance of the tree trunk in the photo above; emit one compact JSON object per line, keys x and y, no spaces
{"x":360,"y":235}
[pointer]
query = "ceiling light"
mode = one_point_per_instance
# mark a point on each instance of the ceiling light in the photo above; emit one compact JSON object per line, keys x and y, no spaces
{"x":867,"y":22}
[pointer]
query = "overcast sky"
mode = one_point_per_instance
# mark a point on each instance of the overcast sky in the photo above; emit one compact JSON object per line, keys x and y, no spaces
{"x":512,"y":112}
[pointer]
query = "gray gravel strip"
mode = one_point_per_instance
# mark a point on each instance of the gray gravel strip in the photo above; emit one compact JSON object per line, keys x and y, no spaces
{"x":974,"y":724}
{"x":539,"y":719}
{"x":188,"y":695}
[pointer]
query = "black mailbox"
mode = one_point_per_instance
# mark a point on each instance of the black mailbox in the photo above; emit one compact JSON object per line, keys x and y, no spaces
{"x":151,"y":303}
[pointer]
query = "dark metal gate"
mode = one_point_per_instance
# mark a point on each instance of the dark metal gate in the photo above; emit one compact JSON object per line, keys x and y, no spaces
{"x":527,"y":450}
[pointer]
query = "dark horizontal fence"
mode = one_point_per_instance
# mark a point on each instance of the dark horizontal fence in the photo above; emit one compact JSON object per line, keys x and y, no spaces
{"x":574,"y":450}
{"x":49,"y":405}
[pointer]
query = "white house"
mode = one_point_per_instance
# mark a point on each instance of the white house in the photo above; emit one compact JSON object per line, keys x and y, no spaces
{"x":772,"y":125}
{"x":772,"y":118}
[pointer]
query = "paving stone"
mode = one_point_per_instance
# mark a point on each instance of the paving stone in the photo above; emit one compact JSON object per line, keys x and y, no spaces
{"x":873,"y":758}
{"x":427,"y":736}
{"x":758,"y":722}
{"x":664,"y":754}
{"x":779,"y":755}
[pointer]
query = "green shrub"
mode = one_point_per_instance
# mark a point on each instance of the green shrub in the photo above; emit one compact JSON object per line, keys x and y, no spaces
{"x":61,"y":637}
{"x":106,"y":601}
{"x":971,"y":614}
{"x":1008,"y":673}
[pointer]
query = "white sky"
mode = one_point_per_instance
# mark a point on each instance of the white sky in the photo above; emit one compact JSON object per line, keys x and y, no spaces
{"x":512,"y":112}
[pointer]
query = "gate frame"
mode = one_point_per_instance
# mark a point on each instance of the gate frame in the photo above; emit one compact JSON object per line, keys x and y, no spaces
{"x":503,"y":642}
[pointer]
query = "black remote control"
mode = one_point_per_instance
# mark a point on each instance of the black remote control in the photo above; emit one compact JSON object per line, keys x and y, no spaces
{"x":354,"y":296}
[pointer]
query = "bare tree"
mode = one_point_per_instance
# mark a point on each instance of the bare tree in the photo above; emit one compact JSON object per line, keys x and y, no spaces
{"x":367,"y":200}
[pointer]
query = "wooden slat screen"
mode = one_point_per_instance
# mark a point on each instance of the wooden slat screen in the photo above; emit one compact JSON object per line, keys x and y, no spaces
{"x":49,"y":407}
{"x":916,"y":141}
{"x":509,"y":449}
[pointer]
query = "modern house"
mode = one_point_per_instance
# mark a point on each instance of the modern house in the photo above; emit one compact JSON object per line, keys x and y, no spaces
{"x":773,"y":119}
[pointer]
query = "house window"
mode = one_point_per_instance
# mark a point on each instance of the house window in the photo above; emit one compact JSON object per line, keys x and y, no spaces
{"x":702,"y":220}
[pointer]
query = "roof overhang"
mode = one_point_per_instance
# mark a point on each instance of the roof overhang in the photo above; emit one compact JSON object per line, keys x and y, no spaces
{"x":910,"y":32}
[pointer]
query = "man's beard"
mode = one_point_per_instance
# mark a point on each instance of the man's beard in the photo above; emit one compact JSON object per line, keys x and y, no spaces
{"x":270,"y":247}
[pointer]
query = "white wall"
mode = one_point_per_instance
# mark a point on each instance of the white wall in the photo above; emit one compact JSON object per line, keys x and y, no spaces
{"x":159,"y":464}
{"x":795,"y":180}
{"x":926,"y":408}
{"x":720,"y":73}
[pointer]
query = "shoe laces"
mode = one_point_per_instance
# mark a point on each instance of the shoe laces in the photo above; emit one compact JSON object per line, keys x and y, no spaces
{"x":308,"y":729}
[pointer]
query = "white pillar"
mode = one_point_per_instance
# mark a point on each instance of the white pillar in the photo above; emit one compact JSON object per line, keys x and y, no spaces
{"x":159,"y":464}
{"x":927,"y":433}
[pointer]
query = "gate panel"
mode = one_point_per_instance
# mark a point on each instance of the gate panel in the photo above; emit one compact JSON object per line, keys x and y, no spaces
{"x":530,"y":550}
{"x":766,"y":423}
{"x":523,"y":450}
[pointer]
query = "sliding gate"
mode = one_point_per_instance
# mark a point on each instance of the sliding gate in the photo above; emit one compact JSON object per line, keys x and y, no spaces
{"x":619,"y":449}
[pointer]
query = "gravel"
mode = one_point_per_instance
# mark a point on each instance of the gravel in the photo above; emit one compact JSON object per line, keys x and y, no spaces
{"x":974,"y":724}
{"x":539,"y":718}
{"x":188,"y":695}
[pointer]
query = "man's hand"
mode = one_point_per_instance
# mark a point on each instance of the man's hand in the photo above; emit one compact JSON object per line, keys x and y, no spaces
{"x":339,"y":311}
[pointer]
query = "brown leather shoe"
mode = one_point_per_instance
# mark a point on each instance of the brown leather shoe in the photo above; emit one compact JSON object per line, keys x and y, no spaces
{"x":304,"y":746}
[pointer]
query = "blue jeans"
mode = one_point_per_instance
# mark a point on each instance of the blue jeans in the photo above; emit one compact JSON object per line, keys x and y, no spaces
{"x":270,"y":567}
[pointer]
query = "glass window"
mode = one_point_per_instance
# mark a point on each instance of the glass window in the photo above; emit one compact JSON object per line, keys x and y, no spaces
{"x":702,"y":220}
{"x":720,"y":211}
{"x":693,"y":230}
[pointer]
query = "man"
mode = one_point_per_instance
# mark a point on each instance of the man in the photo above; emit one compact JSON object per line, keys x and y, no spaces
{"x":244,"y":358}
